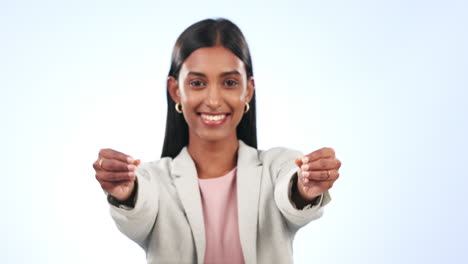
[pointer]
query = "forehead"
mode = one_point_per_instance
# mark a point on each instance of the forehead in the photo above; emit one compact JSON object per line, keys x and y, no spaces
{"x":213,"y":60}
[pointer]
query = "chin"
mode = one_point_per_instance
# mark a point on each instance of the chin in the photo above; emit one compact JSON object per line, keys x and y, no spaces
{"x":214,"y":136}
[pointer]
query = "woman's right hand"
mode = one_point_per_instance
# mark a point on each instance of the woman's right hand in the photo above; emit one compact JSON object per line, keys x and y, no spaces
{"x":115,"y":172}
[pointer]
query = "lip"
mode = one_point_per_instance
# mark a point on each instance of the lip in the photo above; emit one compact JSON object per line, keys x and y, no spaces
{"x":213,"y":119}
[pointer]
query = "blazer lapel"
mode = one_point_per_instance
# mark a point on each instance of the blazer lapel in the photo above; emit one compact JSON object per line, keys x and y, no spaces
{"x":249,"y":176}
{"x":186,"y":182}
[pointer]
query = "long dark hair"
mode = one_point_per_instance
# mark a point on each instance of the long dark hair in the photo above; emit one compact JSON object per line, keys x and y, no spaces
{"x":207,"y":33}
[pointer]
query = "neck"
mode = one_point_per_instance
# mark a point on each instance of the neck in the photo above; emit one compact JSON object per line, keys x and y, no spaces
{"x":213,"y":158}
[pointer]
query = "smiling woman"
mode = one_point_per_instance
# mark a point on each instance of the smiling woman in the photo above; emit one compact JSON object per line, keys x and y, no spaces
{"x":214,"y":91}
{"x":213,"y":197}
{"x":200,"y":36}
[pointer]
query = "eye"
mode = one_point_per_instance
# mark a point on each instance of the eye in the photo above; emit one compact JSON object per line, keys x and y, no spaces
{"x":197,"y":84}
{"x":230,"y":83}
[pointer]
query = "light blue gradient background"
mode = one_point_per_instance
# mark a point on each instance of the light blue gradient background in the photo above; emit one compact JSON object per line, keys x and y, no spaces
{"x":383,"y":82}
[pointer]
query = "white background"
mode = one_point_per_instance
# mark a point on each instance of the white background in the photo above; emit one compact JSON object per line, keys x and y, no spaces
{"x":383,"y":82}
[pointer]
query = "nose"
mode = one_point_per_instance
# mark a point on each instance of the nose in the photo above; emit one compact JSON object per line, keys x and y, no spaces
{"x":213,"y":99}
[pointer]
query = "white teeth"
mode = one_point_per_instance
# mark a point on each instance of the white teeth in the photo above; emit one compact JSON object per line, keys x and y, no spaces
{"x":213,"y":117}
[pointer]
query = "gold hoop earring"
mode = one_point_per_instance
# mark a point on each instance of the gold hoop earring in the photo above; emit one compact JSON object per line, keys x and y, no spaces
{"x":178,"y":108}
{"x":247,"y":107}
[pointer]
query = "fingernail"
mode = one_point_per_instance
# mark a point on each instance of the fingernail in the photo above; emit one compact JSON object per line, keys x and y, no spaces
{"x":305,"y":174}
{"x":305,"y":159}
{"x":130,"y":160}
{"x":305,"y":189}
{"x":305,"y":167}
{"x":131,"y":167}
{"x":298,"y":162}
{"x":131,"y":175}
{"x":306,"y":180}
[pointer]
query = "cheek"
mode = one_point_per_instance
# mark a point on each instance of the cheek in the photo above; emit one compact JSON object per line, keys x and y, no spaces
{"x":190,"y":99}
{"x":182,"y":94}
{"x":243,"y":94}
{"x":239,"y":106}
{"x":186,"y":93}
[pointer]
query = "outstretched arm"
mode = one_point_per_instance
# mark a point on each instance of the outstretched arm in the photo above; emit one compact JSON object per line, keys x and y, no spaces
{"x":134,"y":204}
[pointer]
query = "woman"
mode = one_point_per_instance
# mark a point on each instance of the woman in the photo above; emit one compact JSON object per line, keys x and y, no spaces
{"x":213,"y":197}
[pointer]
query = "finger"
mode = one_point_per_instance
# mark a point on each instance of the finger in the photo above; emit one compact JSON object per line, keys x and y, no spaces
{"x":321,"y":186}
{"x":321,"y":164}
{"x":317,"y":187}
{"x":298,"y":162}
{"x":115,"y":176}
{"x":327,"y":175}
{"x":322,"y":153}
{"x":115,"y":165}
{"x":114,"y":154}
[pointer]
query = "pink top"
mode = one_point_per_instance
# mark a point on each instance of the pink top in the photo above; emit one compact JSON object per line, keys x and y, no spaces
{"x":219,"y":201}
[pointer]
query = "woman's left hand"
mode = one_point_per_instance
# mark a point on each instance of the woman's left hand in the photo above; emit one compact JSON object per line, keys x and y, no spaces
{"x":318,"y":172}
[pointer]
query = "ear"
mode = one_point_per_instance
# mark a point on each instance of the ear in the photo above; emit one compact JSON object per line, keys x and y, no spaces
{"x":173,"y":88}
{"x":250,"y":89}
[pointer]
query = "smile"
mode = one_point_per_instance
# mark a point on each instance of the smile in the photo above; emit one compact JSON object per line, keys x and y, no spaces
{"x":213,"y":119}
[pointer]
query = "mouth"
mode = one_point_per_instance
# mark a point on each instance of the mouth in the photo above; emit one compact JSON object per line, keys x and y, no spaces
{"x":213,"y":119}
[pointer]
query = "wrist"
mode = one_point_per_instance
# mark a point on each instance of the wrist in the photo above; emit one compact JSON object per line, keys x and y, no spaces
{"x":128,"y":201}
{"x":300,"y":197}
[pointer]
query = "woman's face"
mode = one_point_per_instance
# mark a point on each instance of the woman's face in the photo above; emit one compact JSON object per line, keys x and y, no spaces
{"x":212,"y":89}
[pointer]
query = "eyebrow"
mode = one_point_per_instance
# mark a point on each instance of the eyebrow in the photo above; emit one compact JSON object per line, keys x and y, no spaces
{"x":221,"y":75}
{"x":230,"y":73}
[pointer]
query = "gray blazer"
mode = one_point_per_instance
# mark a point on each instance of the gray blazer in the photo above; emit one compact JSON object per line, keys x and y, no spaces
{"x":167,"y":220}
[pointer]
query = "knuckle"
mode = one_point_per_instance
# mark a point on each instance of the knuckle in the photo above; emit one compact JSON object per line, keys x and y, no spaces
{"x":110,"y":165}
{"x":103,"y":185}
{"x":323,"y":164}
{"x":117,"y":166}
{"x":112,"y":154}
{"x":324,"y":175}
{"x":111,"y":176}
{"x":115,"y":154}
{"x":102,"y":151}
{"x":104,"y":176}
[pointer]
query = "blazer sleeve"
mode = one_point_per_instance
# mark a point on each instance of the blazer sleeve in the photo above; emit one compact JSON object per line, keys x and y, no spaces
{"x":136,"y":223}
{"x":285,"y":170}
